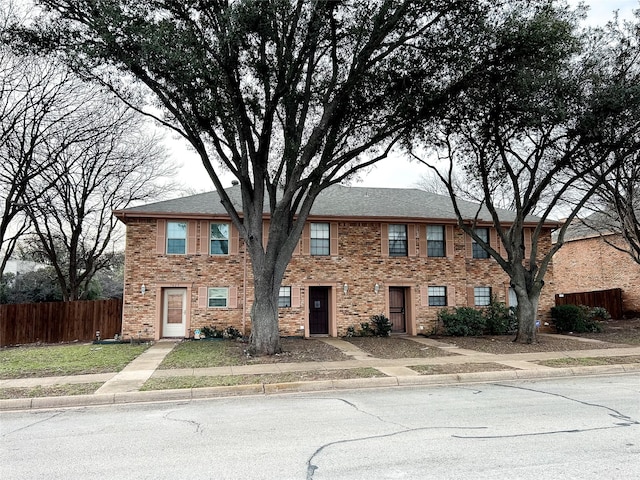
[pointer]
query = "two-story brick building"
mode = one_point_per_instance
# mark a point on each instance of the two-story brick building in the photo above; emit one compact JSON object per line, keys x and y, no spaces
{"x":364,"y":251}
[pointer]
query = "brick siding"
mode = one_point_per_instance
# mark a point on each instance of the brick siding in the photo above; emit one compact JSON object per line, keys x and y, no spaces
{"x":590,"y":264}
{"x":360,"y":263}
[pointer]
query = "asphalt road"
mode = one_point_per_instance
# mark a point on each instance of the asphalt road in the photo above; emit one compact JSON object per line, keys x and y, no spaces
{"x":582,"y":428}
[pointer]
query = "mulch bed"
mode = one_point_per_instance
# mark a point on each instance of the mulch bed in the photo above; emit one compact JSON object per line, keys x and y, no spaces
{"x":504,"y":344}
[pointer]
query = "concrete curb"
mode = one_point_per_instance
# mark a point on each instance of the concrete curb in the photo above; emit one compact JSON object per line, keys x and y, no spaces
{"x":188,"y":394}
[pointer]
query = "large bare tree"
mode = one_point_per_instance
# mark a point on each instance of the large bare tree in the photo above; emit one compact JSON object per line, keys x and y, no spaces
{"x":290,"y":96}
{"x":529,"y":136}
{"x":35,"y":97}
{"x":112,"y":166}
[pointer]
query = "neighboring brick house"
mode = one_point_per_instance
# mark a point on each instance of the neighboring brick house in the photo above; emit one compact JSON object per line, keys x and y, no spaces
{"x":587,"y":262}
{"x":364,"y":251}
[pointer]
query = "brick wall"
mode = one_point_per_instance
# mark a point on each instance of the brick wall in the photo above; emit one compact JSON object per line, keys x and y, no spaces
{"x":591,"y":264}
{"x":360,"y":262}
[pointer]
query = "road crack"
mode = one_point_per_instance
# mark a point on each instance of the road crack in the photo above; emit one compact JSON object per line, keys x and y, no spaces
{"x":50,"y":417}
{"x":198,"y":425}
{"x":624,"y":420}
{"x":311,"y":468}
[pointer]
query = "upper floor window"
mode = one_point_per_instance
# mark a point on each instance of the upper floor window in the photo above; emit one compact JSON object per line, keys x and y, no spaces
{"x":482,"y":296}
{"x":176,"y":238}
{"x":218,"y":297}
{"x":478,"y":251}
{"x":437,"y":296}
{"x":284,"y":297}
{"x":320,"y":239}
{"x":219,"y":239}
{"x":435,"y":241}
{"x":398,"y":241}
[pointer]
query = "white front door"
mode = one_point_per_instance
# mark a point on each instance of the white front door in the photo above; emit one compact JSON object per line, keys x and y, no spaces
{"x":174,"y":312}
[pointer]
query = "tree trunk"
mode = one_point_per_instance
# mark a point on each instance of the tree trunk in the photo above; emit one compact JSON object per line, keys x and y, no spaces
{"x":527,"y":312}
{"x":265,"y":332}
{"x":265,"y":335}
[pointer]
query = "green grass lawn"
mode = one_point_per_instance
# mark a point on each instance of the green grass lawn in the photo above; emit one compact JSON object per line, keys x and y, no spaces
{"x":49,"y":391}
{"x":58,"y":360}
{"x":168,"y":383}
{"x":201,"y":354}
{"x":589,"y":361}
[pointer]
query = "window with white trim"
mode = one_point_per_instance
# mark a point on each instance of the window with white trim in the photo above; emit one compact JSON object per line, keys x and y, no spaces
{"x":437,"y":296}
{"x":284,"y":297}
{"x":219,"y":239}
{"x":481,"y":296}
{"x":320,"y":239}
{"x":478,"y":251}
{"x":435,"y":241}
{"x":176,"y":238}
{"x":218,"y":297}
{"x":398,"y":241}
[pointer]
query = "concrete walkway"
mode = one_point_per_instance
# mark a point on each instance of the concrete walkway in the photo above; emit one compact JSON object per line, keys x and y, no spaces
{"x":124,"y":387}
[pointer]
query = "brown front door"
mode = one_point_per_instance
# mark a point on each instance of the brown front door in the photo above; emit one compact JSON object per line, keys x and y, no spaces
{"x":397,"y":309}
{"x":318,"y":310}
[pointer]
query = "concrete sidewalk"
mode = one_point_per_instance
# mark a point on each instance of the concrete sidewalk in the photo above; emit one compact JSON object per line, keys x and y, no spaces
{"x":124,"y":386}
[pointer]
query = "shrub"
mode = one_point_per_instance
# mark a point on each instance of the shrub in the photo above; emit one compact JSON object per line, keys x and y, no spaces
{"x":576,"y":318}
{"x":211,"y":332}
{"x":599,"y":313}
{"x":462,"y":321}
{"x":351,"y":331}
{"x":381,"y":325}
{"x":500,"y":319}
{"x":365,"y":330}
{"x":231,"y":332}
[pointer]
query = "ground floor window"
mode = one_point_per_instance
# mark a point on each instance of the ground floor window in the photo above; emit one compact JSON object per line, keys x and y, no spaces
{"x":437,"y":296}
{"x":284,"y":298}
{"x":513,"y":299}
{"x":218,"y":297}
{"x":481,"y":296}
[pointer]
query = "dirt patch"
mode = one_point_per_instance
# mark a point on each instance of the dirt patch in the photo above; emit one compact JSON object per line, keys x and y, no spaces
{"x":617,"y":331}
{"x":294,"y":350}
{"x":460,"y":368}
{"x":504,"y":344}
{"x":396,"y":347}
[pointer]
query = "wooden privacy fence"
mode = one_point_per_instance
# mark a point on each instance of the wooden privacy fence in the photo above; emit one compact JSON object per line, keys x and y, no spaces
{"x":609,"y":299}
{"x":54,"y":322}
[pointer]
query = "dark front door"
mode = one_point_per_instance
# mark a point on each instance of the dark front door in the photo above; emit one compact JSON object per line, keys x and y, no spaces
{"x":397,"y":309}
{"x":318,"y":310}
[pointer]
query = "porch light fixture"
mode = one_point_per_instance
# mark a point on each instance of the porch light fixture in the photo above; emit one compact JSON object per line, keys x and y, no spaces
{"x":345,"y":288}
{"x":376,"y":288}
{"x":143,"y":289}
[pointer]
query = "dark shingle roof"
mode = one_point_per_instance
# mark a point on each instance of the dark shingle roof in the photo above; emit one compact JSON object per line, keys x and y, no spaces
{"x":337,"y":201}
{"x":594,"y":225}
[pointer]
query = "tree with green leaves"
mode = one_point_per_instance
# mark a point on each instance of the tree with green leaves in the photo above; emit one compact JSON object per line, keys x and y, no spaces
{"x":290,"y":96}
{"x":546,"y":116}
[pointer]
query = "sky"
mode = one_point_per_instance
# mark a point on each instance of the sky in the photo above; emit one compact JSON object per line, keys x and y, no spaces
{"x":392,"y":172}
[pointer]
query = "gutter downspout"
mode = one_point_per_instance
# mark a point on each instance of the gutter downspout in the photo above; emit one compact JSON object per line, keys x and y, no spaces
{"x":244,"y":292}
